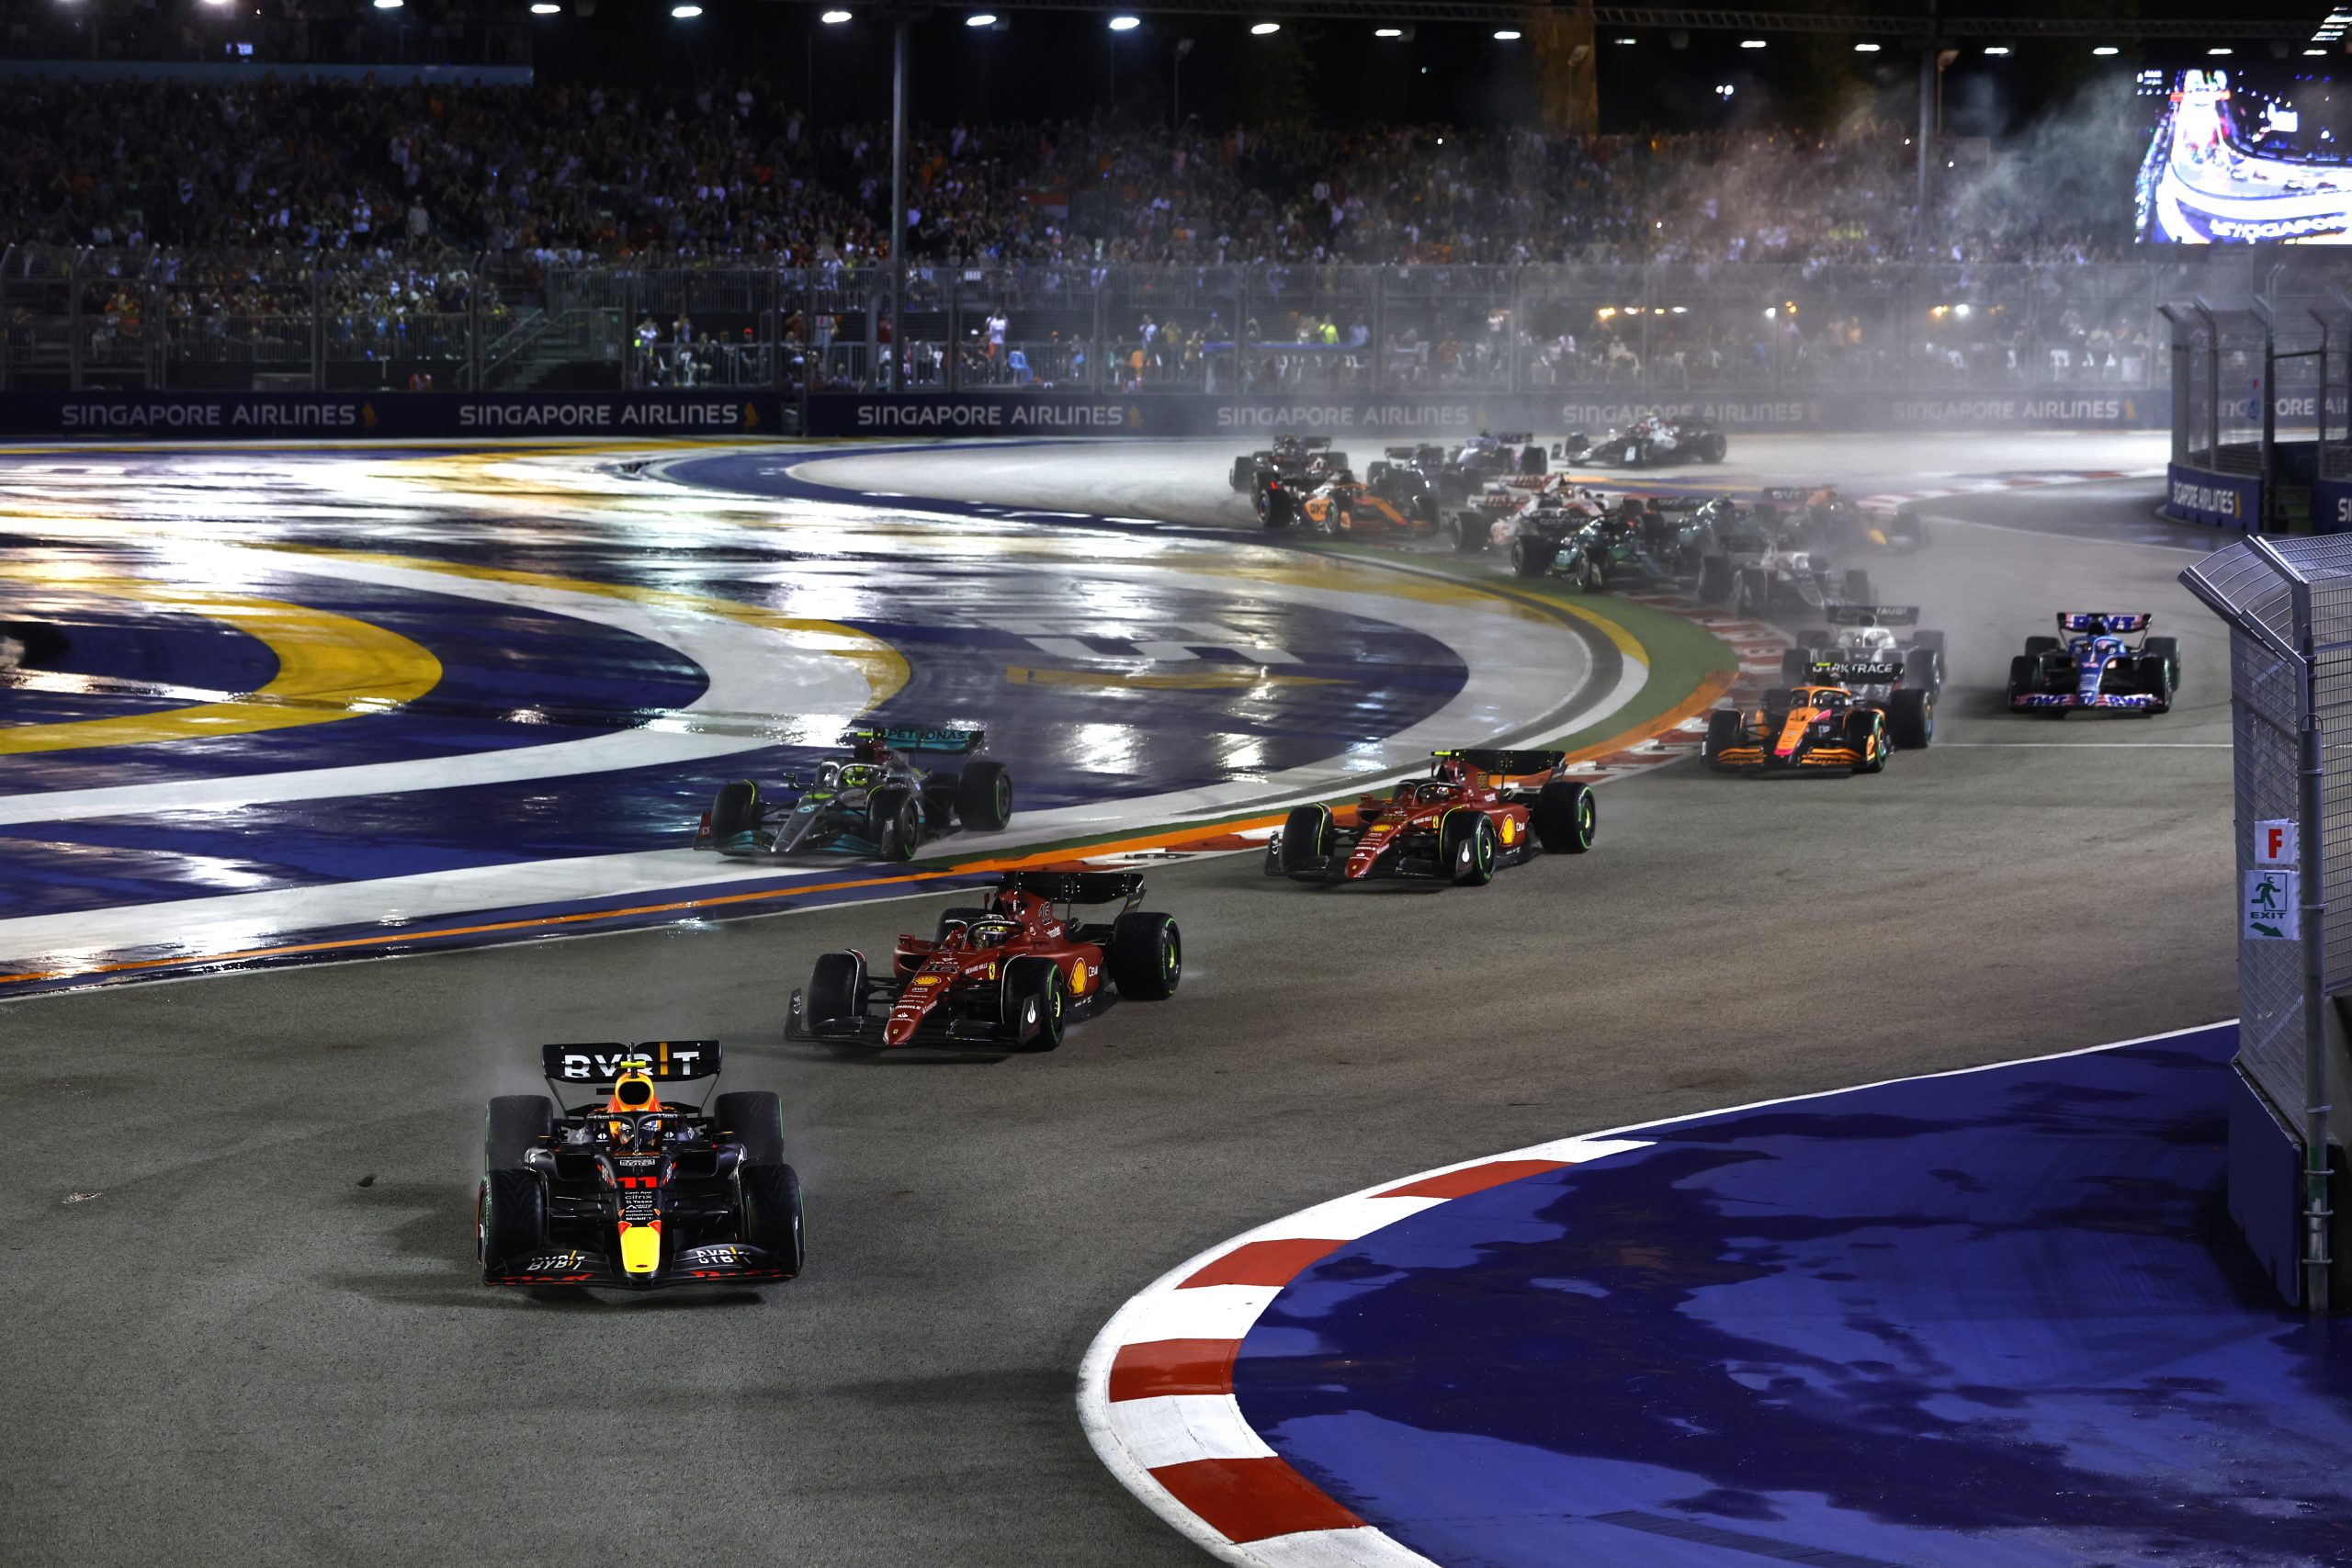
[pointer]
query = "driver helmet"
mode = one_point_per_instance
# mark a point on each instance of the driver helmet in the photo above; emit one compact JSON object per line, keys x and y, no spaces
{"x":859,"y":776}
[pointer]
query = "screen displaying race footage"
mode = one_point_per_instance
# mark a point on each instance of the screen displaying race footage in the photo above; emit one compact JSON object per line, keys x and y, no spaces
{"x":2236,"y":160}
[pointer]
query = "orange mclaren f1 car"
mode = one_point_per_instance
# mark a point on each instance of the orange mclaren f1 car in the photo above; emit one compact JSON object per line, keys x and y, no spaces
{"x":1346,"y":505}
{"x":1825,"y":724}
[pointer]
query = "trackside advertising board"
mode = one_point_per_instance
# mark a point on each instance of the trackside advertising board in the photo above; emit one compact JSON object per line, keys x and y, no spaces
{"x":2224,"y":501}
{"x":359,"y":416}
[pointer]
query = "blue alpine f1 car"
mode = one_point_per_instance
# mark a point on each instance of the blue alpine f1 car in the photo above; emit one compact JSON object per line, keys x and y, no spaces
{"x":875,"y":800}
{"x":2095,"y":663}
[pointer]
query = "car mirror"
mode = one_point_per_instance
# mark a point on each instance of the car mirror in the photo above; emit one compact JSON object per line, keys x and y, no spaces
{"x":540,"y":1160}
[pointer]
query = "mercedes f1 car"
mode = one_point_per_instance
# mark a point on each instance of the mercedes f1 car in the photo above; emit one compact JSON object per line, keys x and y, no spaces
{"x":874,"y":800}
{"x":1873,"y":634}
{"x":1822,"y":723}
{"x":1007,"y":977}
{"x":2096,"y":666}
{"x":623,"y":1189}
{"x":1476,"y":812}
{"x":1646,"y":443}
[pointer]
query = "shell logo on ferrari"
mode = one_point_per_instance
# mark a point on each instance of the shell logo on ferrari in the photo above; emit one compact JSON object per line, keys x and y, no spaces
{"x":1510,"y":829}
{"x":926,"y":979}
{"x":1078,"y":978}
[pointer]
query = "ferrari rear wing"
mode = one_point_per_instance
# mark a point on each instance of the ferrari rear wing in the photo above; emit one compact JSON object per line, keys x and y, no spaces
{"x":908,"y":738}
{"x":1840,"y":614}
{"x":1076,"y":886}
{"x":1509,"y":763}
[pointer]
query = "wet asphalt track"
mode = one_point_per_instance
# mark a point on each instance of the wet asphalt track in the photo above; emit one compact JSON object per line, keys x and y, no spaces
{"x":246,"y":1356}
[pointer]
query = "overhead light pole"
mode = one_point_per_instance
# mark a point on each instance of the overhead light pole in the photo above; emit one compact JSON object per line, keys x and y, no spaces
{"x":896,"y":378}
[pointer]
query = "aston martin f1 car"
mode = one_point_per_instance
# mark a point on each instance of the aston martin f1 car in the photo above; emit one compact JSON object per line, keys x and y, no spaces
{"x":1647,"y":441}
{"x":1873,"y":634}
{"x":2096,"y":666}
{"x":1587,"y":547}
{"x":874,"y":800}
{"x":624,"y":1190}
{"x":1476,"y":812}
{"x":1009,"y":976}
{"x":1821,"y":723}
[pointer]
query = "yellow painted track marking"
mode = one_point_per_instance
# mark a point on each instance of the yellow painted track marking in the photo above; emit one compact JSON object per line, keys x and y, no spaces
{"x":329,"y":667}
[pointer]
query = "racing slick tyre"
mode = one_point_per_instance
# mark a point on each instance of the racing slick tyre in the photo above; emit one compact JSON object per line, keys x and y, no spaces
{"x":2156,"y":680}
{"x":1588,"y":574}
{"x":1032,"y":997}
{"x":2035,"y":647}
{"x":754,"y":1118}
{"x":1306,"y":841}
{"x":837,"y":989}
{"x":1565,"y":817}
{"x":960,"y":915}
{"x":737,"y":810}
{"x":1922,"y":671}
{"x":1466,"y":532}
{"x":1147,"y":955}
{"x":1531,"y":558}
{"x":1796,"y":665}
{"x":1466,"y":839}
{"x":1911,"y":715}
{"x":2168,"y":649}
{"x":1244,"y":470}
{"x":1277,"y":508}
{"x":1858,"y":587}
{"x":894,"y":823}
{"x":1908,"y":527}
{"x":1866,"y":733}
{"x":510,"y":1217}
{"x":1531,"y":459}
{"x":773,"y":1219}
{"x":1424,"y":510}
{"x":1710,"y":448}
{"x":984,"y":796}
{"x":517,"y":1123}
{"x":1715,"y":580}
{"x":1749,"y":594}
{"x":1722,"y":733}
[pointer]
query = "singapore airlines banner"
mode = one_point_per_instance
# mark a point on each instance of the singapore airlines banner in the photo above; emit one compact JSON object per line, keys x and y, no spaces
{"x":357,"y":416}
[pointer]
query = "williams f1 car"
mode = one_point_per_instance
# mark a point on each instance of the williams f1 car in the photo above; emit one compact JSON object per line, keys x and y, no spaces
{"x":1008,"y":976}
{"x":1476,"y":812}
{"x":623,"y":1189}
{"x":874,"y":800}
{"x":1648,"y":442}
{"x":1822,"y":723}
{"x":2096,"y":666}
{"x":1873,"y":634}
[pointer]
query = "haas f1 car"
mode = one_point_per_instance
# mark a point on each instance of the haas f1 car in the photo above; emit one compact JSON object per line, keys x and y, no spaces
{"x":1008,"y":976}
{"x":623,"y":1189}
{"x":1476,"y":812}
{"x":1824,"y":724}
{"x":2096,"y":666}
{"x":874,"y":800}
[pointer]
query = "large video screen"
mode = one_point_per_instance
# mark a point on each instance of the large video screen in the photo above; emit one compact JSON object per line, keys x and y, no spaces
{"x":2237,"y":161}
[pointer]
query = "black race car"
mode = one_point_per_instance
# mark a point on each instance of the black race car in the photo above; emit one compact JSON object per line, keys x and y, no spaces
{"x":1409,"y":478}
{"x":1296,"y":463}
{"x":874,"y":801}
{"x":1484,"y":459}
{"x":623,"y":1189}
{"x":1817,"y":517}
{"x":1646,"y":443}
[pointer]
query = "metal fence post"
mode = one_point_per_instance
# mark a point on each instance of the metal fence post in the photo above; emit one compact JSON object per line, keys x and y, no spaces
{"x":318,"y":332}
{"x":2213,"y":384}
{"x":1380,"y":330}
{"x":473,"y":324}
{"x":73,"y":321}
{"x":2310,"y":848}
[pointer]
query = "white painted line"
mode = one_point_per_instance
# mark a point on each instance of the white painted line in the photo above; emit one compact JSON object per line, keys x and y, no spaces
{"x":1361,"y":1548}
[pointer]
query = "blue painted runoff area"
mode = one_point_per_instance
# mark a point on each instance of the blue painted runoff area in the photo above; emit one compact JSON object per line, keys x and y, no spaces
{"x":1981,"y":1320}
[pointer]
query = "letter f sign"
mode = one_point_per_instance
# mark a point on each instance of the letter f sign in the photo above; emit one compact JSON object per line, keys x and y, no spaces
{"x":2274,"y":843}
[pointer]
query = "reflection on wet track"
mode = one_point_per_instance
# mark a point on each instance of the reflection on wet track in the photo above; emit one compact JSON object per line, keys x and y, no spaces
{"x":306,"y":692}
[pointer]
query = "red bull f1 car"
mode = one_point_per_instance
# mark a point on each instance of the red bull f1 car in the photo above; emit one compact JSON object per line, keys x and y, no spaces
{"x":2093,"y":663}
{"x":1477,"y":811}
{"x":875,"y":800}
{"x":1007,"y":977}
{"x":1821,"y":724}
{"x":626,"y":1191}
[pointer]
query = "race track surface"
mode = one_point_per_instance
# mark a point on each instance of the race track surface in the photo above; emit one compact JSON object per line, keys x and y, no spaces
{"x":245,"y":1218}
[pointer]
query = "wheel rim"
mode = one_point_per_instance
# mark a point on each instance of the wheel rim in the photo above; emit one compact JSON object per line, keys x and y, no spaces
{"x":1171,"y":958}
{"x":1585,"y":820}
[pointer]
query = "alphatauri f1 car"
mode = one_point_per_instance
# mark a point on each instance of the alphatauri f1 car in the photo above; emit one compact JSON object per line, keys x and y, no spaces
{"x":2096,"y":666}
{"x":1873,"y":634}
{"x":1477,"y":811}
{"x":874,"y":800}
{"x":1822,"y":723}
{"x":622,"y":1190}
{"x":1006,"y":976}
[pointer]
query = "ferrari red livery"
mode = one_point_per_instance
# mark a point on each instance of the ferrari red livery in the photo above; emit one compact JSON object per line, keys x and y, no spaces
{"x":1477,"y":811}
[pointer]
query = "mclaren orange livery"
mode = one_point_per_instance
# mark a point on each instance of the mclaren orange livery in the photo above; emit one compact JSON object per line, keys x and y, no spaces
{"x":1809,"y":727}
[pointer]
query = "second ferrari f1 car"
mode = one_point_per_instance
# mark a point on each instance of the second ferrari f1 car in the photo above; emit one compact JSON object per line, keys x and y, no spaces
{"x":623,"y":1189}
{"x":875,"y":800}
{"x":1008,"y":976}
{"x":1476,"y":812}
{"x":2096,"y":666}
{"x":1824,"y":724}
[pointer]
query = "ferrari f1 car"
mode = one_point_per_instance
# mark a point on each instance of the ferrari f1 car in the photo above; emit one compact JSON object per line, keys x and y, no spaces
{"x":874,"y":800}
{"x":624,"y":1190}
{"x":1345,"y":505}
{"x":1009,"y":976}
{"x":1476,"y":812}
{"x":2096,"y":666}
{"x":1822,"y":723}
{"x":1873,"y":634}
{"x":1647,"y":441}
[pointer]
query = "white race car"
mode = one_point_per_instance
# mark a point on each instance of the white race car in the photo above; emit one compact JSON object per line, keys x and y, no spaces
{"x":1883,"y":634}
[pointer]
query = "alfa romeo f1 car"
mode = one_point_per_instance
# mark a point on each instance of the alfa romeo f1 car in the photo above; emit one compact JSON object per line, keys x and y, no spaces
{"x":1822,"y":723}
{"x":623,"y":1189}
{"x":1476,"y":812}
{"x":1873,"y":634}
{"x":874,"y":800}
{"x":1647,"y":441}
{"x":1010,"y":975}
{"x":2096,"y":666}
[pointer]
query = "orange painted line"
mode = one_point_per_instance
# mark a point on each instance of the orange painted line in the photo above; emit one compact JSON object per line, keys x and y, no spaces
{"x":1176,"y":839}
